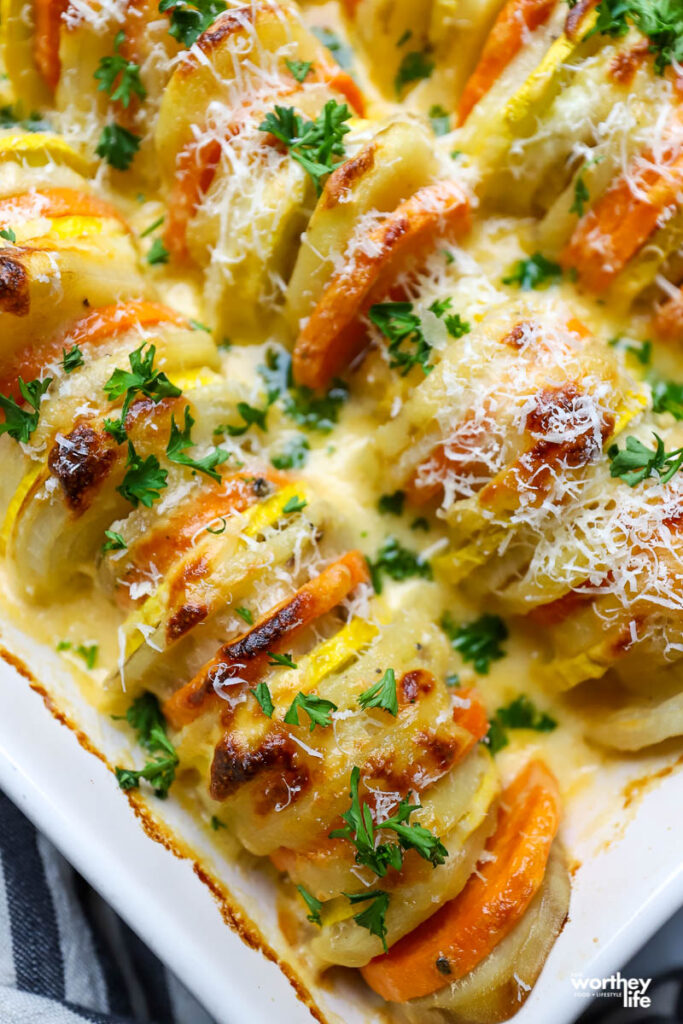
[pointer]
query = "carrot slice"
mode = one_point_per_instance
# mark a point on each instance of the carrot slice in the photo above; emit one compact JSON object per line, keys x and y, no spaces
{"x":333,"y":336}
{"x":471,"y":716}
{"x":245,"y":658}
{"x":99,"y":326}
{"x":48,"y":19}
{"x":54,"y":202}
{"x":469,"y":927}
{"x":668,"y":321}
{"x":503,"y":43}
{"x":623,"y":219}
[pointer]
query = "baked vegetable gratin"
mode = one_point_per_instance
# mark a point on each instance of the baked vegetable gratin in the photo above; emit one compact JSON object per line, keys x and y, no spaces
{"x":341,"y":442}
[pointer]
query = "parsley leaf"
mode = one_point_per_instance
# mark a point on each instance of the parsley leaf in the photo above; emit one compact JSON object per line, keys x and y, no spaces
{"x":262,"y":694}
{"x":245,"y":614}
{"x":441,"y":120}
{"x":144,"y":715}
{"x":398,"y":323}
{"x":373,"y":918}
{"x":397,"y":562}
{"x":479,"y":641}
{"x":142,"y":379}
{"x":317,"y":708}
{"x":72,"y":359}
{"x":250,"y":415}
{"x":295,"y":504}
{"x":88,"y":653}
{"x":520,"y":713}
{"x":152,"y":227}
{"x":8,"y":235}
{"x":281,"y":659}
{"x":313,"y":144}
{"x":392,"y":504}
{"x":157,"y":253}
{"x":216,"y":823}
{"x":535,"y":272}
{"x":581,"y":195}
{"x":293,"y":455}
{"x":316,"y":412}
{"x":114,"y":542}
{"x":667,"y":396}
{"x":109,"y":70}
{"x":382,"y":694}
{"x":180,"y":440}
{"x":144,"y":479}
{"x":299,"y":68}
{"x":660,"y":20}
{"x":18,"y":422}
{"x":118,"y":146}
{"x":360,"y":829}
{"x":314,"y":905}
{"x":642,"y":351}
{"x":636,"y":462}
{"x":189,"y":18}
{"x":414,"y":66}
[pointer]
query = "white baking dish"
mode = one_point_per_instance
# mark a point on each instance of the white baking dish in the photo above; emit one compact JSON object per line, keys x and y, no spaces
{"x":629,"y":881}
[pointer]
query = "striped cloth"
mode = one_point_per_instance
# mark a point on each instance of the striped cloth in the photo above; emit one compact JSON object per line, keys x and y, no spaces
{"x":65,"y":957}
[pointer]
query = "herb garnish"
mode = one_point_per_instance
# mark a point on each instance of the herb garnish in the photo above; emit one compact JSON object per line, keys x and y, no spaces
{"x":118,"y":146}
{"x":72,"y":359}
{"x":180,"y":441}
{"x":114,"y":542}
{"x":313,"y":144}
{"x":397,"y":562}
{"x":660,"y":20}
{"x":299,"y":68}
{"x":8,"y":234}
{"x":392,"y":504}
{"x":157,"y":253}
{"x":189,"y":18}
{"x":520,"y":713}
{"x":262,"y":694}
{"x":281,"y":659}
{"x":535,"y":272}
{"x":144,"y":715}
{"x":479,"y":641}
{"x":636,"y":462}
{"x":398,"y":323}
{"x":19,"y":423}
{"x":318,"y":710}
{"x":314,"y":905}
{"x":374,"y":917}
{"x":441,"y":120}
{"x":414,"y":66}
{"x":144,"y":479}
{"x":142,"y":379}
{"x":293,"y":455}
{"x":382,"y":694}
{"x":126,"y":71}
{"x":667,"y":396}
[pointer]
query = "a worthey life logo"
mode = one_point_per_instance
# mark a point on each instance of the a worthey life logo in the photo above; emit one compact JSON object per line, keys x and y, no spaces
{"x":632,"y":990}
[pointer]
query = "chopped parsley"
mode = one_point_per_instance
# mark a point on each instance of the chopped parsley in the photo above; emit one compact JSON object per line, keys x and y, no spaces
{"x":88,"y":653}
{"x":245,"y":614}
{"x":19,"y":423}
{"x":420,"y":524}
{"x":361,"y":829}
{"x":264,"y":699}
{"x":667,"y":396}
{"x":114,"y":542}
{"x":35,"y":122}
{"x":142,"y":379}
{"x":318,"y":710}
{"x":373,"y":917}
{"x":219,"y":529}
{"x":299,"y":68}
{"x":414,"y":66}
{"x":314,"y":905}
{"x":313,"y":144}
{"x":295,"y":504}
{"x":636,"y":462}
{"x":402,"y":327}
{"x":392,"y":504}
{"x":216,"y":823}
{"x":157,"y":253}
{"x":660,"y":20}
{"x":398,"y":563}
{"x":72,"y":359}
{"x":251,"y":416}
{"x":642,"y":351}
{"x":281,"y":659}
{"x":117,"y":68}
{"x":535,"y":272}
{"x":180,"y":440}
{"x":293,"y":455}
{"x":118,"y":146}
{"x":441,"y":120}
{"x":197,"y":325}
{"x":144,"y":715}
{"x":144,"y":479}
{"x":189,"y":18}
{"x":520,"y":713}
{"x":8,"y":235}
{"x":316,"y":412}
{"x":479,"y":641}
{"x":581,"y":194}
{"x":382,"y":694}
{"x":342,"y":53}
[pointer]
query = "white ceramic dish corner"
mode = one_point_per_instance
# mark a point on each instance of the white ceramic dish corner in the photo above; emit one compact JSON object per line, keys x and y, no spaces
{"x":629,"y":882}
